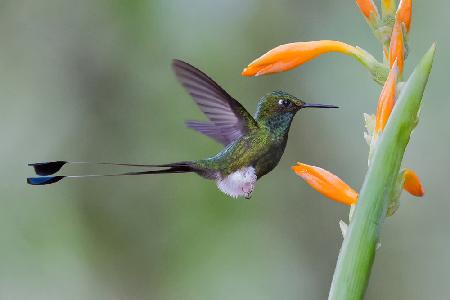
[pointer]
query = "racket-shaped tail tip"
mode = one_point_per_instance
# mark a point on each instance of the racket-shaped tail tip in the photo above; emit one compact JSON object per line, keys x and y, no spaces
{"x":44,"y":180}
{"x":48,"y":168}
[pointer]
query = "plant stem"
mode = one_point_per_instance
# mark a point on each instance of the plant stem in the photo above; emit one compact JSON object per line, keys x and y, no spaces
{"x":357,"y":254}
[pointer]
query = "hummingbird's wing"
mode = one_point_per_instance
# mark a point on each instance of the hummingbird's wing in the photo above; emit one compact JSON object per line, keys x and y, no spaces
{"x":229,"y":119}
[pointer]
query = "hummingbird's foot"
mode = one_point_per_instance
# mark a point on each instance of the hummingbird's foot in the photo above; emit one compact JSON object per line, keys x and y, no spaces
{"x":247,"y":189}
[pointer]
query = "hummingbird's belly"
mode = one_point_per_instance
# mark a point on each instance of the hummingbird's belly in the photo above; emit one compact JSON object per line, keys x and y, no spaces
{"x":238,"y":183}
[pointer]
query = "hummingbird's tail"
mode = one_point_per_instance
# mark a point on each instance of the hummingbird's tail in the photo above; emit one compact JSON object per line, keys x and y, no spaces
{"x":45,"y":170}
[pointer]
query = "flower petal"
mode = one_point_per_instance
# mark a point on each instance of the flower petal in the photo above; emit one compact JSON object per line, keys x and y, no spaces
{"x":412,"y":183}
{"x":387,"y":100}
{"x":388,"y":7}
{"x":367,"y":8}
{"x":396,"y":47}
{"x":404,"y":13}
{"x":288,"y":56}
{"x":326,"y":183}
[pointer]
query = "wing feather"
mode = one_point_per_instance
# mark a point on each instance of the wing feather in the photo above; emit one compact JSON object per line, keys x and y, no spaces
{"x":229,"y":119}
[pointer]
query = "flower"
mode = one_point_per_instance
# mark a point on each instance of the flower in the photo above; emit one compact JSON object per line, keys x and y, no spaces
{"x":406,"y":180}
{"x":412,"y":183}
{"x":388,"y":7}
{"x":288,"y":56}
{"x":386,"y":100}
{"x":404,"y":13}
{"x":369,"y":10}
{"x":396,"y":47}
{"x":326,"y":183}
{"x":334,"y":188}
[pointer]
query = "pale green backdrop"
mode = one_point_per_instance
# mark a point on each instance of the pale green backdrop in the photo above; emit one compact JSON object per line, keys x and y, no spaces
{"x":91,"y":80}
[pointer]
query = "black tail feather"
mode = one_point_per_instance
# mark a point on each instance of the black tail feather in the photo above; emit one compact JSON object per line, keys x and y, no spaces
{"x":48,"y":168}
{"x":44,"y":180}
{"x":181,"y":167}
{"x":51,"y":167}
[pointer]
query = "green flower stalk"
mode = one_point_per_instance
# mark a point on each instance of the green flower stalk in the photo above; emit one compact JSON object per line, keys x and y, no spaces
{"x":358,"y":249}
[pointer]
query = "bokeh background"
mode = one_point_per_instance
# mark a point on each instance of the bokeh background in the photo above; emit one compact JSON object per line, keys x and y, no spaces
{"x":91,"y":80}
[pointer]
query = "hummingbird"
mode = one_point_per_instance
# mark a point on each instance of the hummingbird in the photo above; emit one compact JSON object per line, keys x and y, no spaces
{"x":253,"y":145}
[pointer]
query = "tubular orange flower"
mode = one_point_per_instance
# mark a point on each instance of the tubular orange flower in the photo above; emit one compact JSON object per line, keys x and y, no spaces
{"x":404,"y":13}
{"x":396,"y":47}
{"x":367,"y":8}
{"x":386,"y":100}
{"x":288,"y":56}
{"x":412,"y":183}
{"x":336,"y":189}
{"x":326,"y":183}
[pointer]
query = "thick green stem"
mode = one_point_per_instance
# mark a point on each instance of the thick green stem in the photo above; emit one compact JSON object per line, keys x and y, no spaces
{"x":357,"y":254}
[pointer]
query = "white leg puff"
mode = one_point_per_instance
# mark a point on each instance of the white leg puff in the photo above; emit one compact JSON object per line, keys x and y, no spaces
{"x":239,"y":183}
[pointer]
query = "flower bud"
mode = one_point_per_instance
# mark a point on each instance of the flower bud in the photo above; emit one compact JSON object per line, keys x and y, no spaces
{"x":397,"y":47}
{"x":387,"y":100}
{"x":370,"y":12}
{"x":326,"y":183}
{"x":388,"y":7}
{"x":412,"y":183}
{"x":404,"y":13}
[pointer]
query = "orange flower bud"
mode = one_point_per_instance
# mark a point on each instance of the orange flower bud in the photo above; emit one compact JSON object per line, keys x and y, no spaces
{"x":288,"y":56}
{"x":326,"y":183}
{"x":387,"y":100}
{"x":412,"y":183}
{"x":367,"y":8}
{"x":404,"y":13}
{"x":396,"y":47}
{"x":388,"y":7}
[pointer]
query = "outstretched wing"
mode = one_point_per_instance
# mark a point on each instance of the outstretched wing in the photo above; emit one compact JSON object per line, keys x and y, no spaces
{"x":228,"y":118}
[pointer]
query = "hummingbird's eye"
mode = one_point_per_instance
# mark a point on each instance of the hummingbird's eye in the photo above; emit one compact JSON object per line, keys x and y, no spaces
{"x":284,"y":102}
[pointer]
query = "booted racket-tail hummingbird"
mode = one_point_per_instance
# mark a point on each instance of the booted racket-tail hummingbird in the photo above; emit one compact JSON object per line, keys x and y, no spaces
{"x":253,"y":145}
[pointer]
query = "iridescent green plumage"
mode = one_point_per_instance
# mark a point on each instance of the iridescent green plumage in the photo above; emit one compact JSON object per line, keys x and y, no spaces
{"x":263,"y":146}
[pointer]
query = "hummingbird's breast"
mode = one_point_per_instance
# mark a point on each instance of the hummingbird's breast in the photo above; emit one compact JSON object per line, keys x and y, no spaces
{"x":270,"y":158}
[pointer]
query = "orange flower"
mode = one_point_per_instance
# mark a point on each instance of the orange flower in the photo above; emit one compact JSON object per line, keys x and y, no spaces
{"x":326,"y":183}
{"x":288,"y":56}
{"x":412,"y":183}
{"x":396,"y":47}
{"x":367,"y":8}
{"x":335,"y":189}
{"x":404,"y":13}
{"x":386,"y":100}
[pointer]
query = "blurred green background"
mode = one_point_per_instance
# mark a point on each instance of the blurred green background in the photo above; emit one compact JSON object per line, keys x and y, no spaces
{"x":91,"y":80}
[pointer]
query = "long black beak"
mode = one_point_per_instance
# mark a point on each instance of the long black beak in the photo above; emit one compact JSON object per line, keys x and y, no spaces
{"x":319,"y":105}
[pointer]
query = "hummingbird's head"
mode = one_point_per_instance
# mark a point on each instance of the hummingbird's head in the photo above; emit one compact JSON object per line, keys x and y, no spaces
{"x":282,"y":106}
{"x":279,"y":103}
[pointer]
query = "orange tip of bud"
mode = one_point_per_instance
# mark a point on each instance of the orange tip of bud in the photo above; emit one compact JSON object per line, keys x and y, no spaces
{"x":288,"y":56}
{"x":404,"y":13}
{"x":367,"y":8}
{"x":388,"y":6}
{"x":412,"y":183}
{"x":387,"y":100}
{"x":326,"y":183}
{"x":396,"y":47}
